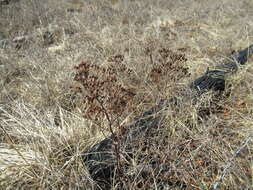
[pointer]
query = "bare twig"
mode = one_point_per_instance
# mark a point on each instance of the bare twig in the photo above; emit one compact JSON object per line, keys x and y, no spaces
{"x":218,"y":182}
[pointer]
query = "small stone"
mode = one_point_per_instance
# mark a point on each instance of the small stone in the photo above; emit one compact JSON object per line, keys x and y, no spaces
{"x":20,"y":39}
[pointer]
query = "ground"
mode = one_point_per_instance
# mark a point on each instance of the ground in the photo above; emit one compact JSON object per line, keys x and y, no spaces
{"x":46,"y":124}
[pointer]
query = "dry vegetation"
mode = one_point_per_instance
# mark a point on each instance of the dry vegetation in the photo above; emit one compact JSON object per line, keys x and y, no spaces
{"x":72,"y":72}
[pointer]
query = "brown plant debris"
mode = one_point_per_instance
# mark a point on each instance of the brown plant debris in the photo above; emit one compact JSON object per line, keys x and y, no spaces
{"x":101,"y":90}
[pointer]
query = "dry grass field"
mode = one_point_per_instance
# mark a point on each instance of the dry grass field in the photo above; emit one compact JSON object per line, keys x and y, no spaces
{"x":135,"y":52}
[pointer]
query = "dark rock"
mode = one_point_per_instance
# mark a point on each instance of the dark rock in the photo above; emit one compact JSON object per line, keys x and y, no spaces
{"x":215,"y":79}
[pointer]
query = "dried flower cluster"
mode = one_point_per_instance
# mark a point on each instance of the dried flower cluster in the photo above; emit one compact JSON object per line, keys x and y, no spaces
{"x":170,"y":65}
{"x":100,"y":89}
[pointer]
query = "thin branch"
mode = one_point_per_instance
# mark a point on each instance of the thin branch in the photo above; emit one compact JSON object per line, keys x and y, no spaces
{"x":218,"y":182}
